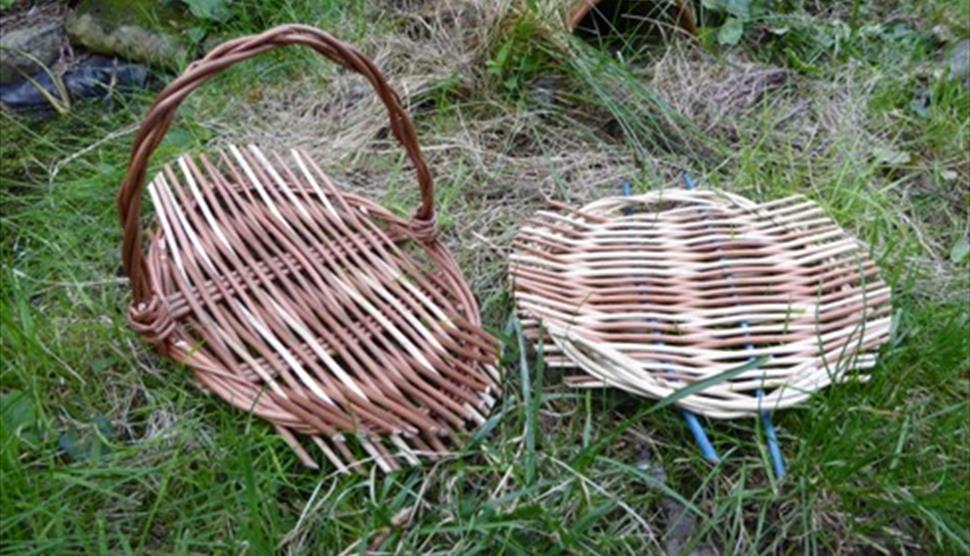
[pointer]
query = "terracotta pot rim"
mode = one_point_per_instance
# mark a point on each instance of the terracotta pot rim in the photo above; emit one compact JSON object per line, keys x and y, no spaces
{"x":685,"y":19}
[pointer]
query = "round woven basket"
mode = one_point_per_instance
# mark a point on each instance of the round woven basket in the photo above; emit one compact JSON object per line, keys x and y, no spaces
{"x":656,"y":292}
{"x":315,"y":309}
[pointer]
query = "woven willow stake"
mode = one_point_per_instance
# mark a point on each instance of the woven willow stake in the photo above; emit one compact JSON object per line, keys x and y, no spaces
{"x":654,"y":292}
{"x":317,"y":310}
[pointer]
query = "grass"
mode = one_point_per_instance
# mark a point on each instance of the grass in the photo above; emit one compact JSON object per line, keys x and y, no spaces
{"x":106,"y":449}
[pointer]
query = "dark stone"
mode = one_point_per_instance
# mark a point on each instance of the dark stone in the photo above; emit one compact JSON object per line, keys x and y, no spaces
{"x":95,"y":77}
{"x":26,"y":50}
{"x":100,"y":77}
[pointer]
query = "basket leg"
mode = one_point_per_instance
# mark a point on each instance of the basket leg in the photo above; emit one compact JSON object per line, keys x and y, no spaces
{"x":777,"y":458}
{"x":703,"y":442}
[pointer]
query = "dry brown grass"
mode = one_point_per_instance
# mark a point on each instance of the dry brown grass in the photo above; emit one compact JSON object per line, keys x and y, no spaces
{"x":496,"y":162}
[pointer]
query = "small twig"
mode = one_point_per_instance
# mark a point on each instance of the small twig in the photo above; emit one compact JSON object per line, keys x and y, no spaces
{"x":52,"y":284}
{"x":57,"y":166}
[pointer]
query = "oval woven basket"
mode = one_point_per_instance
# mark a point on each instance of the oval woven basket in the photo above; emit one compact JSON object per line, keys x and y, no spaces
{"x":655,"y":292}
{"x":315,"y":309}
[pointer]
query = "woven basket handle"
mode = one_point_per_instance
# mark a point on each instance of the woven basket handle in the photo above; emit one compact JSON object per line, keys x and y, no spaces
{"x":161,"y":113}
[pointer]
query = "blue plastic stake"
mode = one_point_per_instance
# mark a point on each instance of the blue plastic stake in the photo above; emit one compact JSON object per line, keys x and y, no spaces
{"x":626,"y":192}
{"x":693,"y":423}
{"x":704,"y":443}
{"x":777,"y":458}
{"x":688,"y":181}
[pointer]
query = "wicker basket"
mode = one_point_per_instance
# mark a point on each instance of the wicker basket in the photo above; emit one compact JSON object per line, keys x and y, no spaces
{"x":656,"y":292}
{"x":317,"y":310}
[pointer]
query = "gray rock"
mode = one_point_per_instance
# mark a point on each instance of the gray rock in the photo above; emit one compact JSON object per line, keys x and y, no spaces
{"x":960,"y":62}
{"x":107,"y":28}
{"x":682,"y":525}
{"x":26,"y":50}
{"x":942,"y":34}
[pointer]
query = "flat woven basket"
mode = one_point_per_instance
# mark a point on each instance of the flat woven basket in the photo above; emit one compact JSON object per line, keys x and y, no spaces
{"x":652,"y":293}
{"x":315,"y":309}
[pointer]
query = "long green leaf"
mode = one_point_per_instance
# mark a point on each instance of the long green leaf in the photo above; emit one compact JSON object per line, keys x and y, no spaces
{"x":588,"y":454}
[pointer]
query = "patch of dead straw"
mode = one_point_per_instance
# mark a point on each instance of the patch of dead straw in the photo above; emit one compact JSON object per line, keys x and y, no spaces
{"x":497,"y":162}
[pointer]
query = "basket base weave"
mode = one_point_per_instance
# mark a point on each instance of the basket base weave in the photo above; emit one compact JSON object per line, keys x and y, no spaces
{"x":314,"y":309}
{"x":656,"y":292}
